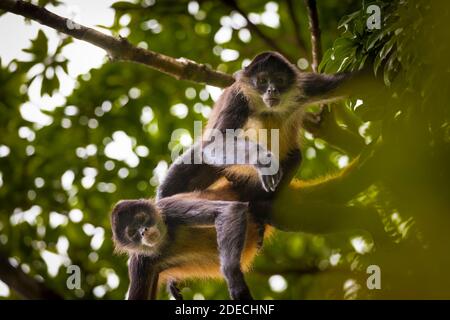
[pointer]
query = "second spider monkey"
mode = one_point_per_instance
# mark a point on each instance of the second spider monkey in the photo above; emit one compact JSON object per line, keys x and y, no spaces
{"x":270,"y":93}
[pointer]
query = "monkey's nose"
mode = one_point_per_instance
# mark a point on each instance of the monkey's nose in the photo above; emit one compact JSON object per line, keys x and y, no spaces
{"x":143,"y":231}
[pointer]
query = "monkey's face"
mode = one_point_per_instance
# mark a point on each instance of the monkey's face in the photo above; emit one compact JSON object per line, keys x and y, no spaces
{"x":137,"y":226}
{"x":272,"y":77}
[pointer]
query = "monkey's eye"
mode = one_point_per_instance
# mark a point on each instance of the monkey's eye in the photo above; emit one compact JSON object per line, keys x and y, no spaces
{"x":280,"y":81}
{"x":261,"y":81}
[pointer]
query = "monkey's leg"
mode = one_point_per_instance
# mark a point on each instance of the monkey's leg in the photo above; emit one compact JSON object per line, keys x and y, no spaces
{"x":173,"y":290}
{"x":143,"y":275}
{"x":187,"y":174}
{"x":231,"y":227}
{"x":192,"y":212}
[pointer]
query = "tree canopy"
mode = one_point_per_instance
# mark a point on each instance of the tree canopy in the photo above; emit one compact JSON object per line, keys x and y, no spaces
{"x":373,"y":188}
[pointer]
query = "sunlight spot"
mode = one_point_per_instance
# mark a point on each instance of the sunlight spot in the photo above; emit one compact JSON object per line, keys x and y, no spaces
{"x":112,"y":280}
{"x":159,"y":172}
{"x":121,"y":149}
{"x":351,"y":288}
{"x":245,"y":63}
{"x":125,"y":20}
{"x":254,"y":18}
{"x":147,"y":115}
{"x":214,"y":92}
{"x":75,"y":215}
{"x":237,"y":20}
{"x":334,"y":259}
{"x":180,"y":110}
{"x":245,"y":35}
{"x":152,"y":25}
{"x":98,"y":238}
{"x":4,"y":289}
{"x":53,"y":262}
{"x":123,"y":173}
{"x":303,"y":64}
{"x":39,"y":182}
{"x":277,"y":283}
{"x":311,"y":153}
{"x":358,"y":103}
{"x":99,"y":291}
{"x":343,"y":161}
{"x":30,"y":112}
{"x":223,"y":35}
{"x":62,"y":245}
{"x":193,"y":7}
{"x":134,"y":93}
{"x":229,"y":55}
{"x":106,"y":187}
{"x":28,"y":216}
{"x":56,"y":219}
{"x":142,"y":151}
{"x":186,"y":140}
{"x":27,"y":133}
{"x":67,"y":180}
{"x":190,"y":93}
{"x":199,"y":296}
{"x":4,"y":151}
{"x":361,"y":245}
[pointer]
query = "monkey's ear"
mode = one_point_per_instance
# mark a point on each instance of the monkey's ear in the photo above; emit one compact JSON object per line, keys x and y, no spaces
{"x":322,"y":88}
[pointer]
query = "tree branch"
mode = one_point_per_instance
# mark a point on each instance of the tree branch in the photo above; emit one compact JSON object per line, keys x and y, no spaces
{"x":23,"y":284}
{"x":314,"y":28}
{"x":120,"y":49}
{"x":254,"y":28}
{"x":315,"y":216}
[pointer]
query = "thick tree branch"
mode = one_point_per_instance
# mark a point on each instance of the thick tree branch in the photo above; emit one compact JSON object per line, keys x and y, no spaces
{"x":23,"y":284}
{"x":315,"y":33}
{"x":301,"y":207}
{"x":323,"y":125}
{"x":120,"y":49}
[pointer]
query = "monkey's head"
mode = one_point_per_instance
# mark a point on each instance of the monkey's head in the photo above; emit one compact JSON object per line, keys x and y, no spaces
{"x":137,"y":226}
{"x":272,"y":76}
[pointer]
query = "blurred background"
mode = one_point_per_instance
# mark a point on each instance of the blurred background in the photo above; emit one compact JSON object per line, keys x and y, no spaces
{"x":79,"y":132}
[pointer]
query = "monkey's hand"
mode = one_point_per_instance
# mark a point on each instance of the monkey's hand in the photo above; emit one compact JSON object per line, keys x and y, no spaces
{"x":270,"y":175}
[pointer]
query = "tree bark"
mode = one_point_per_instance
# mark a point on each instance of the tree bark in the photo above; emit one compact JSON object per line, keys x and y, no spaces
{"x":23,"y":284}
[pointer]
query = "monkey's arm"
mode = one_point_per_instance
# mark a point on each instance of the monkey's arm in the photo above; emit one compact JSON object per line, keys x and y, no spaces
{"x":324,"y":88}
{"x":143,"y":278}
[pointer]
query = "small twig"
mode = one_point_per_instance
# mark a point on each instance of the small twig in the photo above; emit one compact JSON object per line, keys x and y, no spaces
{"x":313,"y":18}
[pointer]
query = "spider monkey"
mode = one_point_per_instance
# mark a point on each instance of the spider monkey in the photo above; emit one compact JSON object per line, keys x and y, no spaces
{"x":211,"y":218}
